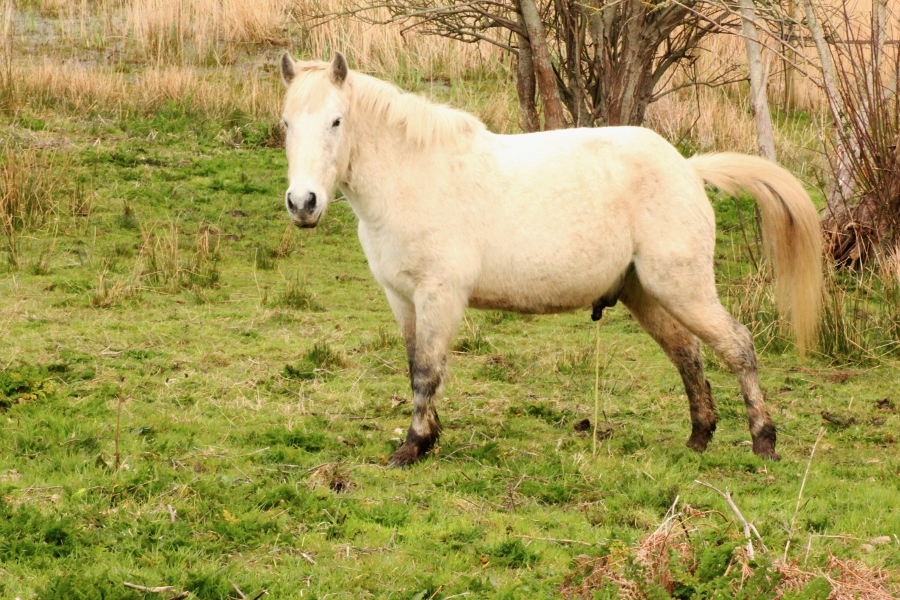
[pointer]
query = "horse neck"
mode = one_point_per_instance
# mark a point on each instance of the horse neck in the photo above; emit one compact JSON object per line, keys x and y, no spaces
{"x":379,"y":155}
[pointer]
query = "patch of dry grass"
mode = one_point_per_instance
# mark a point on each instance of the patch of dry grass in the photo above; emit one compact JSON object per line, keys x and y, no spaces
{"x":669,"y":558}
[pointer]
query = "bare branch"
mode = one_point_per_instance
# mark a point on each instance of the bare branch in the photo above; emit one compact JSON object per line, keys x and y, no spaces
{"x":708,"y":84}
{"x":800,"y":495}
{"x":748,"y":528}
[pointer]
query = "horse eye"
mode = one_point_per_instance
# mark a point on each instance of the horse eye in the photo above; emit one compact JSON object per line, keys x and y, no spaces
{"x":337,"y":122}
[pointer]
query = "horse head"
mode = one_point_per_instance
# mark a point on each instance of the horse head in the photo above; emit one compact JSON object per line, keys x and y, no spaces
{"x":314,"y":118}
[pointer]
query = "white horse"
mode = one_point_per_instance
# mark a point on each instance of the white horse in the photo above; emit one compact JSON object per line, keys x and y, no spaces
{"x":452,"y":215}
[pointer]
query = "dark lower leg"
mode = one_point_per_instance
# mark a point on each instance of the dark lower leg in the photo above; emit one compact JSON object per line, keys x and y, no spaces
{"x":683,"y":349}
{"x":437,"y":315}
{"x":702,"y":407}
{"x":740,"y":355}
{"x":425,"y":428}
{"x":762,"y":429}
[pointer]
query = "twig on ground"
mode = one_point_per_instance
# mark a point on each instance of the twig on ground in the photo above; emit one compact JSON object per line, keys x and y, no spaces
{"x":237,"y":589}
{"x":556,"y":540}
{"x":151,"y":590}
{"x":800,"y":495}
{"x":181,"y":596}
{"x":748,"y":528}
{"x":118,"y":422}
{"x":171,"y":512}
{"x":669,"y":516}
{"x":260,"y":595}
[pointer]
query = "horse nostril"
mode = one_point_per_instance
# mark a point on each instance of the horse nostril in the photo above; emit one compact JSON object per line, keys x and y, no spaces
{"x":310,"y":202}
{"x":290,"y":204}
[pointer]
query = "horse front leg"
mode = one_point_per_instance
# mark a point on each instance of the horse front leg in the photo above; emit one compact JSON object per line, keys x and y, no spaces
{"x":405,"y":314}
{"x":437,"y":315}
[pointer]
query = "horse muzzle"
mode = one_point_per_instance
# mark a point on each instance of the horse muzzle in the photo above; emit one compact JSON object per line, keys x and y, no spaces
{"x":304,"y":209}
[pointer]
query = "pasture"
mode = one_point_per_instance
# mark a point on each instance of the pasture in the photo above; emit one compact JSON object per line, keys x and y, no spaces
{"x":196,"y":394}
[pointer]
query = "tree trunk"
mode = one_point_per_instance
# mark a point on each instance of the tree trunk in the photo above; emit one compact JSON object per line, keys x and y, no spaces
{"x":525,"y":83}
{"x":765,"y":139}
{"x":554,"y":117}
{"x":879,"y":36}
{"x":842,"y":187}
{"x":790,"y":75}
{"x":632,"y":85}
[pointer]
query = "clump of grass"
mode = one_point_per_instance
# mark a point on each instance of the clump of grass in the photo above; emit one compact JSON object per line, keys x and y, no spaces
{"x":296,"y":296}
{"x":319,"y":362}
{"x":512,"y":554}
{"x":166,"y":268}
{"x":751,"y":301}
{"x":203,"y":265}
{"x":472,"y":340}
{"x":288,"y":243}
{"x":384,"y":339}
{"x":128,"y":218}
{"x":500,"y":368}
{"x":860,"y":317}
{"x":111,"y":293}
{"x":263,"y":258}
{"x":499,"y":317}
{"x":32,"y":182}
{"x":578,"y":360}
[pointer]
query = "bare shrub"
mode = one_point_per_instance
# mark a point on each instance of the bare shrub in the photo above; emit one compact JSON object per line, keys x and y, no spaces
{"x":863,"y":217}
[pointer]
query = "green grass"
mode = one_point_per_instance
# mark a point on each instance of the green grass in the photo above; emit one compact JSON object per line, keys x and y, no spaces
{"x":262,"y":406}
{"x":252,"y":383}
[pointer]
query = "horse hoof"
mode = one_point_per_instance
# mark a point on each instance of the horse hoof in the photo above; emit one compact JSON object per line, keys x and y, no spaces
{"x":764,"y":444}
{"x":767,"y":454}
{"x":405,"y":456}
{"x":698,"y":443}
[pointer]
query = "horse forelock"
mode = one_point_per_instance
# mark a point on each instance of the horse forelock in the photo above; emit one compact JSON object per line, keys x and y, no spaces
{"x":424,"y":124}
{"x":310,"y":87}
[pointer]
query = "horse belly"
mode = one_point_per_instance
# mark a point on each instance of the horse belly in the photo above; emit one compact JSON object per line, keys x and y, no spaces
{"x":541,"y":287}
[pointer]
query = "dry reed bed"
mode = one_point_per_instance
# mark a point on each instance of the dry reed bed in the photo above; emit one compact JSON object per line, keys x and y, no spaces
{"x":197,"y":52}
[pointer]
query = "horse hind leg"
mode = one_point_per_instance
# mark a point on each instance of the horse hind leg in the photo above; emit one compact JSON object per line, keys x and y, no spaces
{"x":699,"y":310}
{"x":683,"y":349}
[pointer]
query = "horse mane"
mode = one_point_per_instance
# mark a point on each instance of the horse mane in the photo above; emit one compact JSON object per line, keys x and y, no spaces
{"x":424,"y":123}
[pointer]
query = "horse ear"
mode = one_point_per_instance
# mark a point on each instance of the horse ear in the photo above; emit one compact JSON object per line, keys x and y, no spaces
{"x":339,"y":68}
{"x":287,"y":68}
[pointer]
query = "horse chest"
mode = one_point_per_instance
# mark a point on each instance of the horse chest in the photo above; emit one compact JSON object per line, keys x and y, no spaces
{"x":390,"y":259}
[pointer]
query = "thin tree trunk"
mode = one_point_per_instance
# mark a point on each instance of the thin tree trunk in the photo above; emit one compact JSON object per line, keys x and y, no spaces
{"x":554,"y":117}
{"x":879,"y":36}
{"x":525,"y":83}
{"x":790,"y":75}
{"x":765,"y":138}
{"x":843,"y":186}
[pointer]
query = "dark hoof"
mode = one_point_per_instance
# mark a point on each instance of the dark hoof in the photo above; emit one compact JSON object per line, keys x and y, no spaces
{"x":764,"y":443}
{"x":698,"y":445}
{"x":765,"y":450}
{"x":405,"y":456}
{"x":699,"y":440}
{"x":415,"y":447}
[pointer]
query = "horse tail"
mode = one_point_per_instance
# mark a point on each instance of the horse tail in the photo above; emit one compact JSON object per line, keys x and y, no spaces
{"x":792,"y":237}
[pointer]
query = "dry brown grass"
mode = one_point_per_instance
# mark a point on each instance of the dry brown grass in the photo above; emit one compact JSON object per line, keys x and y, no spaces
{"x":664,"y":557}
{"x":210,"y":54}
{"x":84,"y":89}
{"x":219,"y":56}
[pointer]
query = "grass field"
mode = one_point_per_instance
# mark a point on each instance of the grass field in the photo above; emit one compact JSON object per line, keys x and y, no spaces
{"x":195,"y":394}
